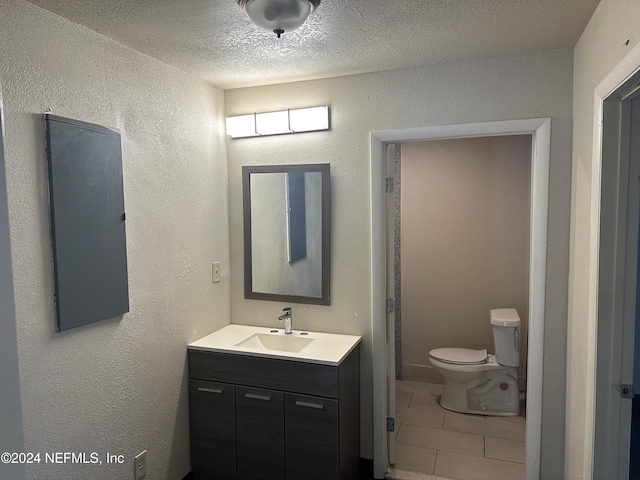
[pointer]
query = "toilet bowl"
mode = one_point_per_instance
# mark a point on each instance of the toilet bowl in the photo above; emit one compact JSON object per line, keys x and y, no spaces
{"x":480,"y":383}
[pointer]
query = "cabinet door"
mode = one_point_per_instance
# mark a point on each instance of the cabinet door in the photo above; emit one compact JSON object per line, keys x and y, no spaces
{"x":311,"y":432}
{"x":260,"y":433}
{"x":213,"y":430}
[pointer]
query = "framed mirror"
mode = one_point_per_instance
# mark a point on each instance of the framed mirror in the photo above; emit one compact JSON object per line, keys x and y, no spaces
{"x":287,"y":233}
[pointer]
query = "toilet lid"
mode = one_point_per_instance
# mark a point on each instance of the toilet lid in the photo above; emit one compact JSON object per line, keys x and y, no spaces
{"x":460,"y":356}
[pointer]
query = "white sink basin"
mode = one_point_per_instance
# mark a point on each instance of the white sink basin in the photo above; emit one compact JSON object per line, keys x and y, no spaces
{"x":301,"y":346}
{"x":275,"y":341}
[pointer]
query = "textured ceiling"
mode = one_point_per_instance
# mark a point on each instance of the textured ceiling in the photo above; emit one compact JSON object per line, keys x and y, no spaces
{"x":216,"y":41}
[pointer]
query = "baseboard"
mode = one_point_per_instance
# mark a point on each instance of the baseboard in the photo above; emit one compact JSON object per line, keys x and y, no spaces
{"x":366,"y":470}
{"x":421,"y":373}
{"x":427,"y":373}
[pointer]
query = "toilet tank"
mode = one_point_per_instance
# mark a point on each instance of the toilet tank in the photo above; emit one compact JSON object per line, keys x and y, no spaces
{"x":506,"y":335}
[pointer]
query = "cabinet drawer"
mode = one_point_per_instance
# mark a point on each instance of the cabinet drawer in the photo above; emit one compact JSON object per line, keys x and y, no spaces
{"x":271,"y":373}
{"x":213,"y":430}
{"x":312,"y":437}
{"x":260,"y":433}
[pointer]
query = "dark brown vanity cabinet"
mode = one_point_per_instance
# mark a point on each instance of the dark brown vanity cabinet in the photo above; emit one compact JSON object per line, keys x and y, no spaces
{"x":258,"y":418}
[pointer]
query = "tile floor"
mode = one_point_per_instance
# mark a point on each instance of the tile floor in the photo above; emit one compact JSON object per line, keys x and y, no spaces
{"x":435,"y":444}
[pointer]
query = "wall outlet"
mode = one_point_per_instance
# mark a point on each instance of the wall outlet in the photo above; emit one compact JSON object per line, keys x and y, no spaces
{"x":215,"y":272}
{"x":140,"y":465}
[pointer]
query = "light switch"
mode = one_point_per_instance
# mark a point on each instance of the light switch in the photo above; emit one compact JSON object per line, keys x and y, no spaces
{"x":215,"y":272}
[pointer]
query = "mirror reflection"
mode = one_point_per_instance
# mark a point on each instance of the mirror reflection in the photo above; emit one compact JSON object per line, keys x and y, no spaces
{"x":286,"y":233}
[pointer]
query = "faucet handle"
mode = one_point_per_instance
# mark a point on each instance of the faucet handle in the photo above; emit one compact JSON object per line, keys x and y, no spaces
{"x":287,"y":318}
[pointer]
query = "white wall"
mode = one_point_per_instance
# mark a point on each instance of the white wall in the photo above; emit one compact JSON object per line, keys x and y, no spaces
{"x":601,"y":47}
{"x":464,"y":243}
{"x":118,"y":385}
{"x":515,"y":87}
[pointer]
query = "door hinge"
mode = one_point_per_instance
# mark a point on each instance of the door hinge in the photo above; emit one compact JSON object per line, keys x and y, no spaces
{"x":391,"y":305}
{"x":391,"y":424}
{"x":389,"y":183}
{"x":625,"y":389}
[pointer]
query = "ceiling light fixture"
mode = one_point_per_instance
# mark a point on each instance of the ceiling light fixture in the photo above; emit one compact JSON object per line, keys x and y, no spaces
{"x":276,"y":123}
{"x":278,"y":16}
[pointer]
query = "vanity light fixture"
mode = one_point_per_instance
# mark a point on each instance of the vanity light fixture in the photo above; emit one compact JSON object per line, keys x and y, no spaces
{"x":278,"y":16}
{"x":276,"y":123}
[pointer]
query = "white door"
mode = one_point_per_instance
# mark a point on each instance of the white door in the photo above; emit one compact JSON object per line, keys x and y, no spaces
{"x":632,"y":286}
{"x":391,"y":328}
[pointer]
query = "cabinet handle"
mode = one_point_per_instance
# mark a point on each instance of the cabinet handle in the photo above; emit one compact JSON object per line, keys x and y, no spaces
{"x":255,"y":396}
{"x":300,"y":403}
{"x":210,"y":390}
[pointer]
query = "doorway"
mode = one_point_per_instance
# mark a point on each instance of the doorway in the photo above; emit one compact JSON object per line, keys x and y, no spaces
{"x":618,"y":295}
{"x":384,"y":372}
{"x":463,"y":249}
{"x":461,"y":240}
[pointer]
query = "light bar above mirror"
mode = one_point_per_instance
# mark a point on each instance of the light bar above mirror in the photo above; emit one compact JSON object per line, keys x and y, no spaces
{"x":277,"y":123}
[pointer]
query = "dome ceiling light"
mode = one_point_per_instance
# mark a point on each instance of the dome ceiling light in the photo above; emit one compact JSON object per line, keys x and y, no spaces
{"x":278,"y":16}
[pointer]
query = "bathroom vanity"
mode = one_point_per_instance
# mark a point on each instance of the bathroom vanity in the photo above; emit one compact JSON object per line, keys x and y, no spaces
{"x":269,"y":406}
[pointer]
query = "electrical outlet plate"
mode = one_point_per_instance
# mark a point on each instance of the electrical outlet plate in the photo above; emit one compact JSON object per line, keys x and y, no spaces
{"x":215,"y":272}
{"x":140,"y":465}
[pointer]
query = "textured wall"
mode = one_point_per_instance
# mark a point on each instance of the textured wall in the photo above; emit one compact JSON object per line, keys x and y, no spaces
{"x":118,"y":385}
{"x":464,"y":242}
{"x":526,"y":86}
{"x":600,"y":48}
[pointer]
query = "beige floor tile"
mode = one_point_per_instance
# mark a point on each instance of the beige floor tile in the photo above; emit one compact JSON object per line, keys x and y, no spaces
{"x":415,"y":459}
{"x":487,"y":426}
{"x":501,"y":449}
{"x":403,"y":399}
{"x":467,"y":447}
{"x":422,"y":418}
{"x":441,"y":440}
{"x":468,"y":467}
{"x":426,"y":401}
{"x":414,"y":386}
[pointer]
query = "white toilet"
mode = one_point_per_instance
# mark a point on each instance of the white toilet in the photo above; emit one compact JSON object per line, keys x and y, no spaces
{"x":475,"y":382}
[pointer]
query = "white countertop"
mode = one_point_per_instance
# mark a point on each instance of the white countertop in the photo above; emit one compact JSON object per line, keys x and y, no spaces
{"x":326,"y":348}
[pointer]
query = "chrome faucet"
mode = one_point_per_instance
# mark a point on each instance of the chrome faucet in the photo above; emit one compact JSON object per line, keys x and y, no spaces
{"x":286,"y":317}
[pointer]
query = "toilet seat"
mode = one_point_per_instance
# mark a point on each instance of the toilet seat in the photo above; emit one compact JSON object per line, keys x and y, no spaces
{"x":460,"y":356}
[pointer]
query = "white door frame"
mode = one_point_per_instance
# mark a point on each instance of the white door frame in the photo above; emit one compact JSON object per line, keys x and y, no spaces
{"x":540,"y":129}
{"x":616,"y":78}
